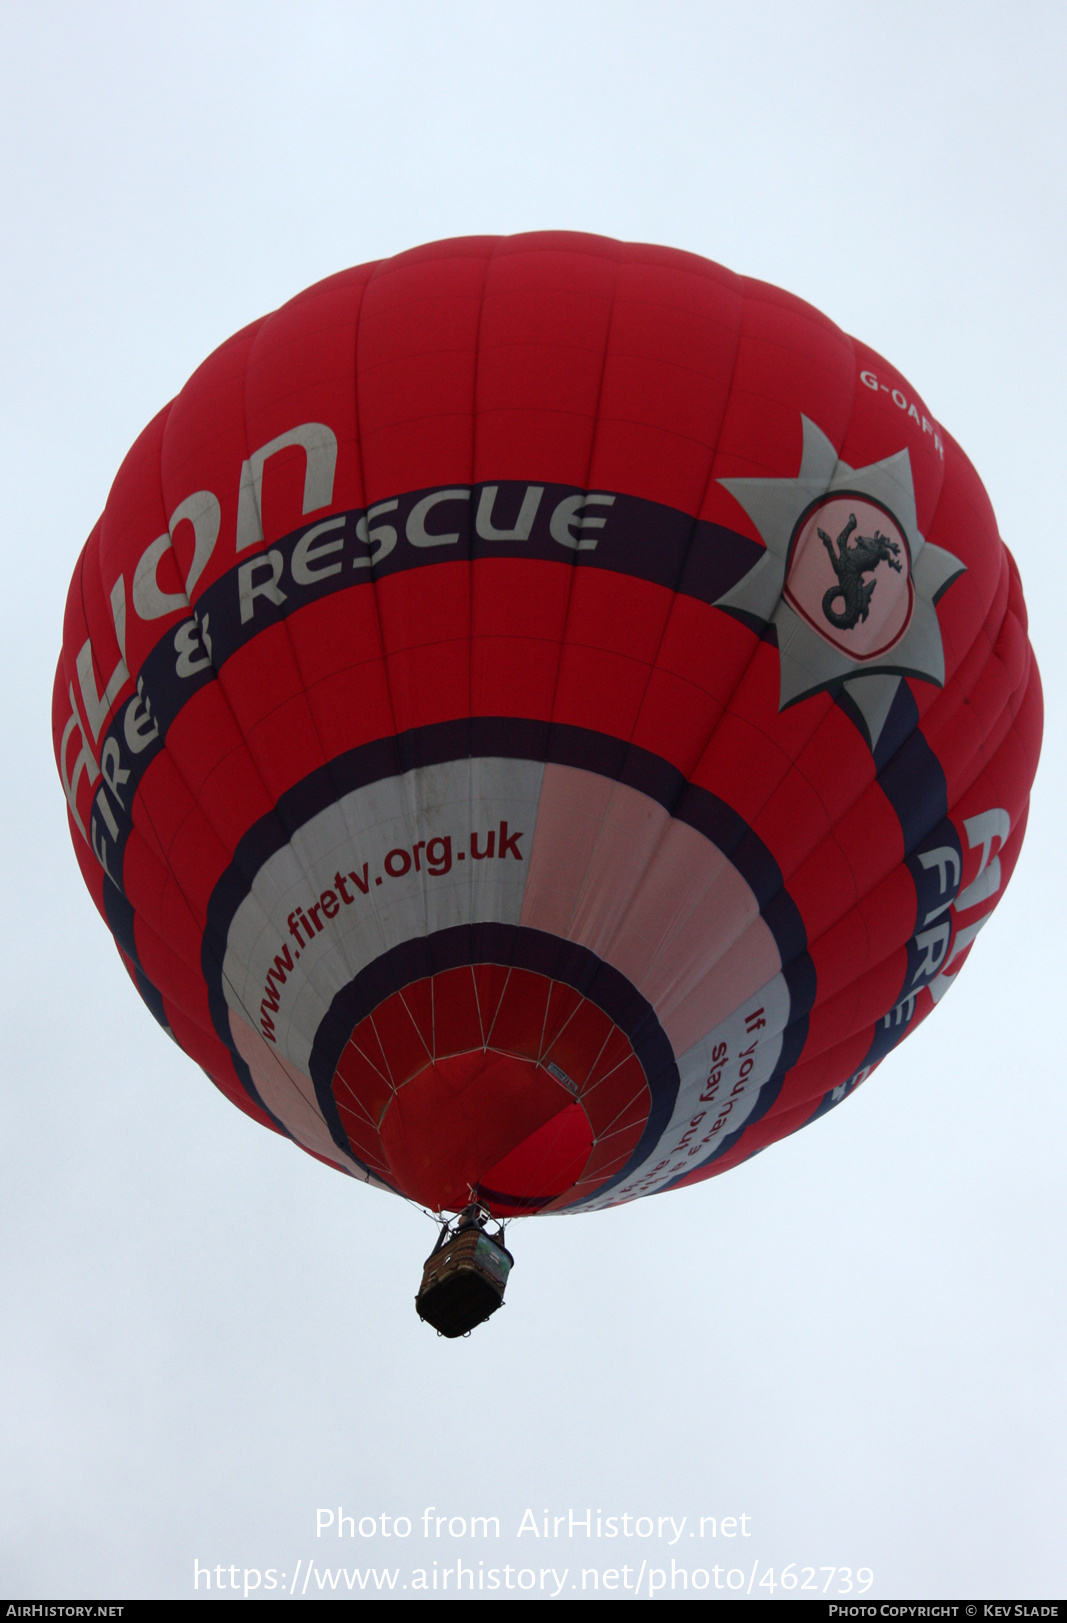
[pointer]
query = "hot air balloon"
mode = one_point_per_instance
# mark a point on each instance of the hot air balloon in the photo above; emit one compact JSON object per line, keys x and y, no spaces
{"x":542,"y":718}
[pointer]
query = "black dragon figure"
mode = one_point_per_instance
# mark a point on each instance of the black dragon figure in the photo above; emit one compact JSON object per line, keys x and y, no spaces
{"x":850,"y":563}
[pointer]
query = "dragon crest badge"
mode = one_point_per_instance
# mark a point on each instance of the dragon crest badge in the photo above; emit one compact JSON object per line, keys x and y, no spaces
{"x":847,"y":579}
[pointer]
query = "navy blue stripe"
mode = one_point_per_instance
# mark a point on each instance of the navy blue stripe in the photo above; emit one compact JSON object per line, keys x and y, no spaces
{"x":641,"y":539}
{"x":909,"y":772}
{"x":120,"y":917}
{"x":119,"y":914}
{"x":480,"y":737}
{"x":515,"y":947}
{"x":913,"y":781}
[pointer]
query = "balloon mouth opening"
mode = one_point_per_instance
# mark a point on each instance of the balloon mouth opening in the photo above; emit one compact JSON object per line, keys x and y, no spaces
{"x":489,"y":1127}
{"x":491,"y":1083}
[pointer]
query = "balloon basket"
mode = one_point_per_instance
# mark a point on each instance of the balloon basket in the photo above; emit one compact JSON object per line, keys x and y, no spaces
{"x":464,"y":1276}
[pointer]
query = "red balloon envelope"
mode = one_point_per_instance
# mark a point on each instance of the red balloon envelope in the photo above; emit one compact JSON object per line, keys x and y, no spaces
{"x":542,"y":717}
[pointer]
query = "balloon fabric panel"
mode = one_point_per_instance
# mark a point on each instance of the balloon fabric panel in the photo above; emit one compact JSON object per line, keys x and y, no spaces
{"x":543,"y":718}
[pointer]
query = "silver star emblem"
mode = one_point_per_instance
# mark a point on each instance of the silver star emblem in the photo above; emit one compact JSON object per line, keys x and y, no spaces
{"x":834,"y":643}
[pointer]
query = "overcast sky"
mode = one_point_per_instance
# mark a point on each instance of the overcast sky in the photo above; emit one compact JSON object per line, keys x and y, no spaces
{"x":855,"y":1340}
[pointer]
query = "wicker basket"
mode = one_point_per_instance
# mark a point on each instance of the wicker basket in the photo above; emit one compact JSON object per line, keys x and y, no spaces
{"x":463,"y":1281}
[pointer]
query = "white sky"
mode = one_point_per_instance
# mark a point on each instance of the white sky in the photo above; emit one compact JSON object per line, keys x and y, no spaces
{"x":857,"y":1339}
